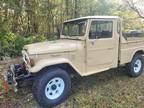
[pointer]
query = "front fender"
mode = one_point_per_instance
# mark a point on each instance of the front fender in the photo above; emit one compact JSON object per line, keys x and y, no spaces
{"x":49,"y":62}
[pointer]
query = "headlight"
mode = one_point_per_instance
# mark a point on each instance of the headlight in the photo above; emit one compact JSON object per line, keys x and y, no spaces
{"x":26,"y":58}
{"x":29,"y":62}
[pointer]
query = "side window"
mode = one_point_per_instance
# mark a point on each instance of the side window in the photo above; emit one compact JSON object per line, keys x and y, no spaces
{"x":101,"y":29}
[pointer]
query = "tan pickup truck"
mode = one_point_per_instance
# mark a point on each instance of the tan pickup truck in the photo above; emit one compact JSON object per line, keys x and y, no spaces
{"x":87,"y":45}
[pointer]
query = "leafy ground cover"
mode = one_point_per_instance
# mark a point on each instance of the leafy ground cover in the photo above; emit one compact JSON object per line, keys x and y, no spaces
{"x":110,"y":89}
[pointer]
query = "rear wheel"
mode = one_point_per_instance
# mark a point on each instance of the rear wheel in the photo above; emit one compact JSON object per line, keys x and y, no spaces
{"x":135,"y":68}
{"x":52,"y":87}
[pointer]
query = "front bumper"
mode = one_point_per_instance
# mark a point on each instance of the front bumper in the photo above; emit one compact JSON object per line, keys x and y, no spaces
{"x":15,"y":73}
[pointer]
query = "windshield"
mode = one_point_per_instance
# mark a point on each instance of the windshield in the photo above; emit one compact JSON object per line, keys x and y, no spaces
{"x":74,"y":28}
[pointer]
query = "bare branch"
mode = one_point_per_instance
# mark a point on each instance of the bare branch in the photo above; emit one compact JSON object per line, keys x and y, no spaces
{"x":134,"y":6}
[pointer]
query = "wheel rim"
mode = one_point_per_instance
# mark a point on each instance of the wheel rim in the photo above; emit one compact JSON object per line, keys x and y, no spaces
{"x":54,"y":88}
{"x":137,"y":66}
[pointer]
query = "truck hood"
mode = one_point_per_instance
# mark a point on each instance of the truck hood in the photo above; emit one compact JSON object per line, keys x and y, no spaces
{"x":51,"y":47}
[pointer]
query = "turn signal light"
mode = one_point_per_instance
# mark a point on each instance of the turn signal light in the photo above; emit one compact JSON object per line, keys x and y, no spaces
{"x":32,"y":63}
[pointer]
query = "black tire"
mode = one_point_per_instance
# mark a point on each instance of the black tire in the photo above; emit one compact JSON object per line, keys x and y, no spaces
{"x":131,"y":66}
{"x":40,"y":83}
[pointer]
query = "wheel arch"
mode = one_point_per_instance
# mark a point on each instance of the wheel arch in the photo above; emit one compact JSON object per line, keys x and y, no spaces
{"x":51,"y":64}
{"x":137,"y":52}
{"x":65,"y":66}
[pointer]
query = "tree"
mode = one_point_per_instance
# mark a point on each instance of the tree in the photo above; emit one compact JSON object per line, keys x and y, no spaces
{"x":31,"y":17}
{"x":136,"y":6}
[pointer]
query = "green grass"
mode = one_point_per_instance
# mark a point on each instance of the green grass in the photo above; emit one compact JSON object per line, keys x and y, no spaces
{"x":110,"y":89}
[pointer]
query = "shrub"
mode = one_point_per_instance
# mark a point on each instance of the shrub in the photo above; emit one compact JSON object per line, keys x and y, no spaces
{"x":11,"y":44}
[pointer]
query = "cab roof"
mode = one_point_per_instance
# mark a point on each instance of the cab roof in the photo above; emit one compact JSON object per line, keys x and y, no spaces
{"x":93,"y":17}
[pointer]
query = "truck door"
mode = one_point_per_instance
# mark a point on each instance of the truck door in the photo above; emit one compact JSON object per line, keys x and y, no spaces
{"x":102,"y":46}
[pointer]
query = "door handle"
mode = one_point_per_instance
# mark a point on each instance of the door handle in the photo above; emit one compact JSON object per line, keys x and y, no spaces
{"x":92,"y":42}
{"x":109,"y":48}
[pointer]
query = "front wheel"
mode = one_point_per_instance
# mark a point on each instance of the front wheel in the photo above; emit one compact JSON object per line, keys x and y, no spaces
{"x":52,"y":87}
{"x":135,"y":68}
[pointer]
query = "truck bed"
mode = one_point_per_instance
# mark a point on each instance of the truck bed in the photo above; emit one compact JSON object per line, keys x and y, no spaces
{"x":130,"y":47}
